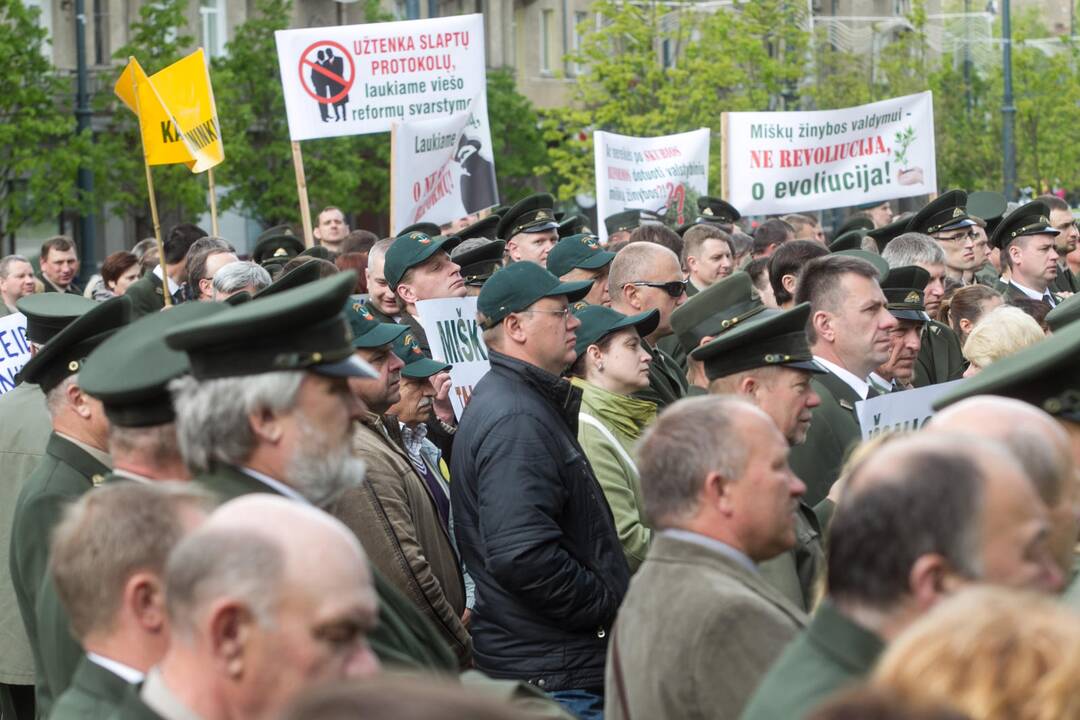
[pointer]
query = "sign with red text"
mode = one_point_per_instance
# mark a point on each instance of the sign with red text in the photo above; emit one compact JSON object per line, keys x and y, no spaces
{"x":456,"y":338}
{"x":782,"y":162}
{"x":358,"y":79}
{"x":14,"y":350}
{"x":443,"y":169}
{"x":663,"y":175}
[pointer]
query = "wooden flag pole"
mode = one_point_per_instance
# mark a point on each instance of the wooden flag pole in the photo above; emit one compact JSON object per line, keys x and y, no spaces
{"x":166,"y":295}
{"x":393,"y":175}
{"x":213,"y":203}
{"x":301,"y":191}
{"x":723,"y":156}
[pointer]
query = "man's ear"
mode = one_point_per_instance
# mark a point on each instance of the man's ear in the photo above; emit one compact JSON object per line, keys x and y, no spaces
{"x":407,"y":293}
{"x":78,"y":401}
{"x":930,"y":580}
{"x":789,"y":282}
{"x":267,"y":425}
{"x":231,"y":626}
{"x":144,"y":596}
{"x":514,"y":328}
{"x":511,"y":249}
{"x":823,"y":325}
{"x":630,"y":296}
{"x":716,"y":492}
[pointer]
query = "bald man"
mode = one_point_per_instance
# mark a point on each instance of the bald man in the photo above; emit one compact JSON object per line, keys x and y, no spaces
{"x":254,"y":620}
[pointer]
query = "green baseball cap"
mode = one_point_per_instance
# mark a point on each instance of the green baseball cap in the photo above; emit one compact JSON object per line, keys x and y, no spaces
{"x":597,"y":322}
{"x":946,"y":212}
{"x":1064,"y":314}
{"x":300,"y":275}
{"x":417,"y":365}
{"x":903,"y":288}
{"x":1032,"y":218}
{"x":722,"y":306}
{"x":299,"y":329}
{"x":367,"y":331}
{"x":772,"y":338}
{"x":66,"y":352}
{"x":516,"y":287}
{"x":410,"y":250}
{"x":887,"y":233}
{"x":49,"y":313}
{"x":577,"y":251}
{"x":851,"y":240}
{"x":427,"y":228}
{"x":130,"y":372}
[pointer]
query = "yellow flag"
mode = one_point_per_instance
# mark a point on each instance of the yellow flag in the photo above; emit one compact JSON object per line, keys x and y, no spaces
{"x":176,"y":111}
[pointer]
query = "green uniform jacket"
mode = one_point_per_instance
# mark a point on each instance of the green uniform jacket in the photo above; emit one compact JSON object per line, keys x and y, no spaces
{"x":379,"y":314}
{"x":833,"y":652}
{"x":403,"y":637}
{"x":24,"y":432}
{"x":65,"y":473}
{"x":674,"y":349}
{"x":417,"y":331}
{"x":1065,"y":281}
{"x":667,"y":383}
{"x":146,"y":295}
{"x":833,"y":430}
{"x":1011,"y":292}
{"x":987,"y":275}
{"x":95,"y":694}
{"x":623,"y":418}
{"x":940,"y":359}
{"x":795,"y":573}
{"x":131,"y":707}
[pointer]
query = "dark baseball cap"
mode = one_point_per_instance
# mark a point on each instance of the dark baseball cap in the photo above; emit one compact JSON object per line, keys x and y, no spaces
{"x":410,"y":250}
{"x":577,"y":251}
{"x":516,"y":287}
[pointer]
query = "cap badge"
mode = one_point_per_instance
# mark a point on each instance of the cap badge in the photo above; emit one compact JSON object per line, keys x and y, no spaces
{"x":280,"y":252}
{"x":414,"y":348}
{"x":542,"y":215}
{"x":408,"y":339}
{"x":356,"y":306}
{"x":957,"y":211}
{"x":1044,"y":220}
{"x":73,"y":366}
{"x":707,"y":211}
{"x":912,"y":297}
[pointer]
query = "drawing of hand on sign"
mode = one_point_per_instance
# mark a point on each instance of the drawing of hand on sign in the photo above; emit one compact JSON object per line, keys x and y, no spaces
{"x":327,"y":74}
{"x":906,"y":175}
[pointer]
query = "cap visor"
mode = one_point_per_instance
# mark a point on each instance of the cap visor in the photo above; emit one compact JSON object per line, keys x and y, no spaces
{"x":809,"y":365}
{"x":966,"y":222}
{"x":540,"y":227}
{"x":596,"y":260}
{"x":916,"y":315}
{"x":644,"y":322}
{"x":351,"y":366}
{"x":573,"y":291}
{"x":424,"y":368}
{"x":384,"y":334}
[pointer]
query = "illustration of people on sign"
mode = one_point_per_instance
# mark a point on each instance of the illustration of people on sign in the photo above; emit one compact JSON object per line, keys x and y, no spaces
{"x":477,"y":176}
{"x":327,"y":74}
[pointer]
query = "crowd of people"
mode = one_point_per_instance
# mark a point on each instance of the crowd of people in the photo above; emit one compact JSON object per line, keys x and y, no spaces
{"x":237,"y":488}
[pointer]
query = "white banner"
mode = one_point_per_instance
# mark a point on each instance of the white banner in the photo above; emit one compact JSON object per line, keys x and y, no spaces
{"x":456,"y":338}
{"x":782,"y":162}
{"x":651,"y":174}
{"x":444,"y":169}
{"x":14,"y":349}
{"x":357,"y":79}
{"x":899,"y":411}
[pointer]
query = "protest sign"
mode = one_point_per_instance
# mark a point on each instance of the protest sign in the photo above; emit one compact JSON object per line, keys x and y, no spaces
{"x":14,"y":349}
{"x":442,"y":169}
{"x":456,"y":338}
{"x":357,"y":79}
{"x":899,"y":411}
{"x":782,"y":162}
{"x":654,"y":174}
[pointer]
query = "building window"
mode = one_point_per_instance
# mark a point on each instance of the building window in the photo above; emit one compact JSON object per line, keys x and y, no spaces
{"x":580,"y":18}
{"x":212,"y":13}
{"x":547,"y":24}
{"x":44,"y":8}
{"x":101,"y":32}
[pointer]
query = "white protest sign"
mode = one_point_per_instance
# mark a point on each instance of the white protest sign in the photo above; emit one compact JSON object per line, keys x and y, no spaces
{"x":456,"y":338}
{"x":899,"y":411}
{"x":782,"y":162}
{"x":652,"y":174}
{"x":443,"y":169}
{"x":357,"y":79}
{"x":14,"y":349}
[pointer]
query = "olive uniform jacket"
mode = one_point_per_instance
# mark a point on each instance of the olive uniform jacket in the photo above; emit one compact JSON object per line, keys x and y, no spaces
{"x":833,"y":653}
{"x":65,"y":472}
{"x":833,"y":430}
{"x":403,"y":637}
{"x":667,"y":383}
{"x":147,"y":295}
{"x":795,"y":573}
{"x":417,"y":331}
{"x":1014,"y":293}
{"x":940,"y":359}
{"x":695,"y":634}
{"x":95,"y":694}
{"x":395,"y":517}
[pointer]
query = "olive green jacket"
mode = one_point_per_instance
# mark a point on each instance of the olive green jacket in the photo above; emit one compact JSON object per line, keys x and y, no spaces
{"x":667,"y":382}
{"x":831,"y":654}
{"x":834,"y":429}
{"x":608,"y":426}
{"x":94,"y":694}
{"x":146,"y":294}
{"x":796,"y":572}
{"x":940,"y":359}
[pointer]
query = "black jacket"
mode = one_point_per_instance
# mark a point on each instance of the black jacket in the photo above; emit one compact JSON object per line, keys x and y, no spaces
{"x":535,"y":531}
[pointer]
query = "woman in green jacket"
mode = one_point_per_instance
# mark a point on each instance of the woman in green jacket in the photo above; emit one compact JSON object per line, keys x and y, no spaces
{"x":611,"y":364}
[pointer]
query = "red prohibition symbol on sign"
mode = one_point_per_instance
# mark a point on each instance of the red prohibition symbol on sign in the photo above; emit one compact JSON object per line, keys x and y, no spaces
{"x":326,"y":72}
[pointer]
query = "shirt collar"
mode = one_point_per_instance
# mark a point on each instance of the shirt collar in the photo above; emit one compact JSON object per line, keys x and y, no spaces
{"x":159,"y":698}
{"x":712,"y":544}
{"x":278,"y":486}
{"x":99,"y":455}
{"x":127,"y":673}
{"x":173,"y":287}
{"x":1033,"y":294}
{"x":859,"y":385}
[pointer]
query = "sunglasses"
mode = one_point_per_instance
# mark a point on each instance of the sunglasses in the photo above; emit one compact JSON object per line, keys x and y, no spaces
{"x":675,"y":288}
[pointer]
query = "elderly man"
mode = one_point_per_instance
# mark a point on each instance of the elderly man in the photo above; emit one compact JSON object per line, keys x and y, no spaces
{"x":418,"y":267}
{"x":707,"y":256}
{"x":580,"y":257}
{"x":382,"y":301}
{"x":945,"y":219}
{"x":645,"y":276}
{"x":242,"y":276}
{"x":1026,"y":240}
{"x":396,"y":512}
{"x":902,"y":540}
{"x":75,"y":460}
{"x":850,"y":335}
{"x":59,"y":265}
{"x":903,"y":288}
{"x":253,"y":620}
{"x":16,"y":280}
{"x":530,"y":517}
{"x":330,"y":228}
{"x":107,"y":562}
{"x":718,"y":507}
{"x":147,"y":294}
{"x":530,"y":229}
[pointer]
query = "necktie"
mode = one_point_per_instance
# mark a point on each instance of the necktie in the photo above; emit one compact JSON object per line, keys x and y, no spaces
{"x":1048,"y":299}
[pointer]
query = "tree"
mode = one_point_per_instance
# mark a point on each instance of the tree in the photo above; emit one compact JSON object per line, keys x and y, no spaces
{"x":517,"y":140}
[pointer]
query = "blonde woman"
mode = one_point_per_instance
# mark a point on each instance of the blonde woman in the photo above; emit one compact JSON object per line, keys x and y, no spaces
{"x":999,"y":333}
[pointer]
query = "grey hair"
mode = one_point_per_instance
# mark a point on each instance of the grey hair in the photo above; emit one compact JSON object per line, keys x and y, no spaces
{"x":56,"y":399}
{"x":208,"y":565}
{"x":913,"y":248}
{"x":379,"y":249}
{"x":6,"y":263}
{"x":237,"y":276}
{"x":673,"y":461}
{"x":212,"y":415}
{"x":156,"y":443}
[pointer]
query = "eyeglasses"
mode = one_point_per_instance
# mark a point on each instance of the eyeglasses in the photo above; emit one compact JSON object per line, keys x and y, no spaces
{"x":969,"y":235}
{"x":561,"y":313}
{"x":675,"y":288}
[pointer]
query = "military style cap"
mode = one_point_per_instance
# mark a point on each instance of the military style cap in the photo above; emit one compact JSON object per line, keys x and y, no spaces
{"x":1045,"y":375}
{"x":903,"y":288}
{"x":367,"y":331}
{"x":887,"y":233}
{"x":597,"y":322}
{"x":773,"y":338}
{"x":855,"y":222}
{"x":1030,"y":219}
{"x":873,"y":258}
{"x":479,"y":258}
{"x":299,"y":275}
{"x":130,"y":372}
{"x":299,"y":329}
{"x":417,"y":365}
{"x":577,"y":251}
{"x":946,"y":212}
{"x":66,"y":352}
{"x":716,"y":210}
{"x":410,"y":250}
{"x":428,"y":228}
{"x":515,"y":287}
{"x":1064,"y":314}
{"x":628,"y":220}
{"x":851,"y":240}
{"x":987,"y":206}
{"x":319,"y":251}
{"x":574,"y":225}
{"x":722,"y":306}
{"x":480,"y":229}
{"x":49,"y":313}
{"x":277,"y":243}
{"x":533,"y":214}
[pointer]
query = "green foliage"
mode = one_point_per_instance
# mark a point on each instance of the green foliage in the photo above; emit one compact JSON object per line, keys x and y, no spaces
{"x":516,"y":136}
